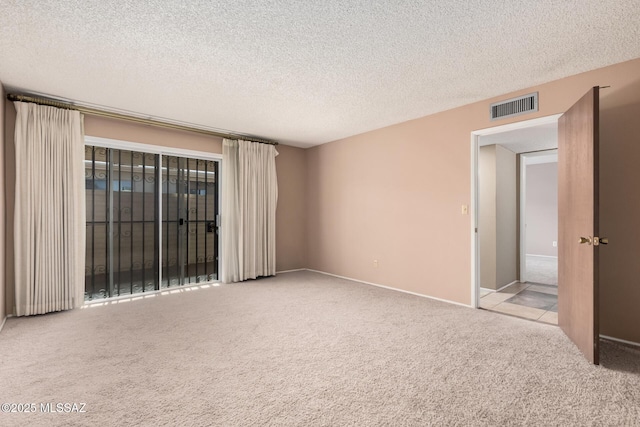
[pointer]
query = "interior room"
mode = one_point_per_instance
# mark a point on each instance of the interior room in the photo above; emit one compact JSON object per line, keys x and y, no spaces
{"x":271,"y":213}
{"x":518,"y":222}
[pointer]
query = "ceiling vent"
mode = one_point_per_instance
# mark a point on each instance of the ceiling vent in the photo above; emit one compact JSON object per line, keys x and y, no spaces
{"x":515,"y":106}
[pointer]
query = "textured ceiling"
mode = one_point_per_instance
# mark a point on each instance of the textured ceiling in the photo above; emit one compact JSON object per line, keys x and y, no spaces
{"x":304,"y":72}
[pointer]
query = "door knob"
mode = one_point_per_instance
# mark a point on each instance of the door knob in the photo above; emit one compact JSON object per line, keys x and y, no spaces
{"x":600,"y":241}
{"x":586,"y":240}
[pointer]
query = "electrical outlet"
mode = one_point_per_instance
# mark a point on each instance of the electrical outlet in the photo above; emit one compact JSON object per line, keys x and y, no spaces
{"x":555,"y":244}
{"x":375,"y":263}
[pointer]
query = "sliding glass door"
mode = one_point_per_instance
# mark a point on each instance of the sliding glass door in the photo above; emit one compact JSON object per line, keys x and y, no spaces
{"x":151,"y":221}
{"x":190,"y":229}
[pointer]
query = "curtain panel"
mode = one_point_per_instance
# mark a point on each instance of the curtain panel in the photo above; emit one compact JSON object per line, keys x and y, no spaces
{"x":249,"y":199}
{"x":49,"y":224}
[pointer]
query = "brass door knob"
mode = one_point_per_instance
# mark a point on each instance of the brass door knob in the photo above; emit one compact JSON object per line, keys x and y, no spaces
{"x":586,"y":240}
{"x":600,"y":241}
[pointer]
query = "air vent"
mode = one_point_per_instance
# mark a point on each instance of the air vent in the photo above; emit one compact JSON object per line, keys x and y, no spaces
{"x":515,"y":106}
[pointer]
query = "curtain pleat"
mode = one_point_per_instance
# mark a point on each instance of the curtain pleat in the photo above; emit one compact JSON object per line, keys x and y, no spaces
{"x":249,"y":200}
{"x":49,"y":225}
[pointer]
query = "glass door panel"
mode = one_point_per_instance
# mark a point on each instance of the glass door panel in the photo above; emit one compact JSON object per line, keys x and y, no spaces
{"x":190,"y":231}
{"x":201,"y":260}
{"x":172,"y":221}
{"x":122,"y":222}
{"x":97,"y":231}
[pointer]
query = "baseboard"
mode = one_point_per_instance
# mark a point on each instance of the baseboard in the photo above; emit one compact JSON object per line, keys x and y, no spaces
{"x":635,"y":344}
{"x":544,"y":256}
{"x":499,"y":289}
{"x":3,"y":322}
{"x":390,"y":288}
{"x":507,"y":285}
{"x":291,"y":271}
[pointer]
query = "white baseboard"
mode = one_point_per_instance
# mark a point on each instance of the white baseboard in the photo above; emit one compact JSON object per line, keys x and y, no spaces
{"x":635,"y":344}
{"x":543,"y":256}
{"x":291,"y":271}
{"x":507,"y":285}
{"x":504,"y":287}
{"x":3,"y":322}
{"x":390,"y":288}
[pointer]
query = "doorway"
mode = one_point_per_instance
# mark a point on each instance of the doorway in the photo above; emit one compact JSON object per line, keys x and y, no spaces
{"x":539,"y":217}
{"x":578,"y":218}
{"x":151,"y":216}
{"x":502,"y":266}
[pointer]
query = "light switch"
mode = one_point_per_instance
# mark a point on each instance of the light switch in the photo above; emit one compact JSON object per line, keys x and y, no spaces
{"x":465,"y":210}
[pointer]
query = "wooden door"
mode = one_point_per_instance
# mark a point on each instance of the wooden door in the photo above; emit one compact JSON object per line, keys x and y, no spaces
{"x":578,"y":242}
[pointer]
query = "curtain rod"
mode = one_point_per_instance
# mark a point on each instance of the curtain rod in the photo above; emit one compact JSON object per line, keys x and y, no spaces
{"x":120,"y":116}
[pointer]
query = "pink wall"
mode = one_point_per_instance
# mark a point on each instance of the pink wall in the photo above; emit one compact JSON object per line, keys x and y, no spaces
{"x":395,"y":195}
{"x":506,"y":217}
{"x":291,"y":214}
{"x":542,"y":209}
{"x":2,"y":209}
{"x":487,"y":216}
{"x":620,"y":204}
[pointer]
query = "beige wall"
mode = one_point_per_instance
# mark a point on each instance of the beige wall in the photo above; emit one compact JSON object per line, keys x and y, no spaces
{"x":290,"y":227}
{"x":394,"y":195}
{"x":542,"y":209}
{"x":497,"y":228}
{"x":518,"y":195}
{"x":506,"y":228}
{"x":9,"y":181}
{"x":145,"y":134}
{"x":291,"y":241}
{"x":2,"y":207}
{"x":620,"y":205}
{"x":487,"y":215}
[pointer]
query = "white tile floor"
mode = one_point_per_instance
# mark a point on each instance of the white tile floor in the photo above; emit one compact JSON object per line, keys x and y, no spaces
{"x":498,"y":301}
{"x":536,"y":300}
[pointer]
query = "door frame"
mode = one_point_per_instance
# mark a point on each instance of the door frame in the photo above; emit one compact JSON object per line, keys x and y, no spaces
{"x":161,"y":151}
{"x":475,"y":147}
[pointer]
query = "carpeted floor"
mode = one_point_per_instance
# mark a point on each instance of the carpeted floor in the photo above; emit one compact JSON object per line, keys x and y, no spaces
{"x":307,"y":349}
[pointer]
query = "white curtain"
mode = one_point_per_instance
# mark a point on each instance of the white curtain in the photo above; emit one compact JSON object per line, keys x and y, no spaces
{"x":49,"y":225}
{"x":249,"y":198}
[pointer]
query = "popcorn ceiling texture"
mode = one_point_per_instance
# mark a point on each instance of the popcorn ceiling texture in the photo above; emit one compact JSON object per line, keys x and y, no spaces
{"x":306,"y":72}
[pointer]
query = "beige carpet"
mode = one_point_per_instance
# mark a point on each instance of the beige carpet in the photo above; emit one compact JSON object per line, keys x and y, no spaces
{"x":306,"y":349}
